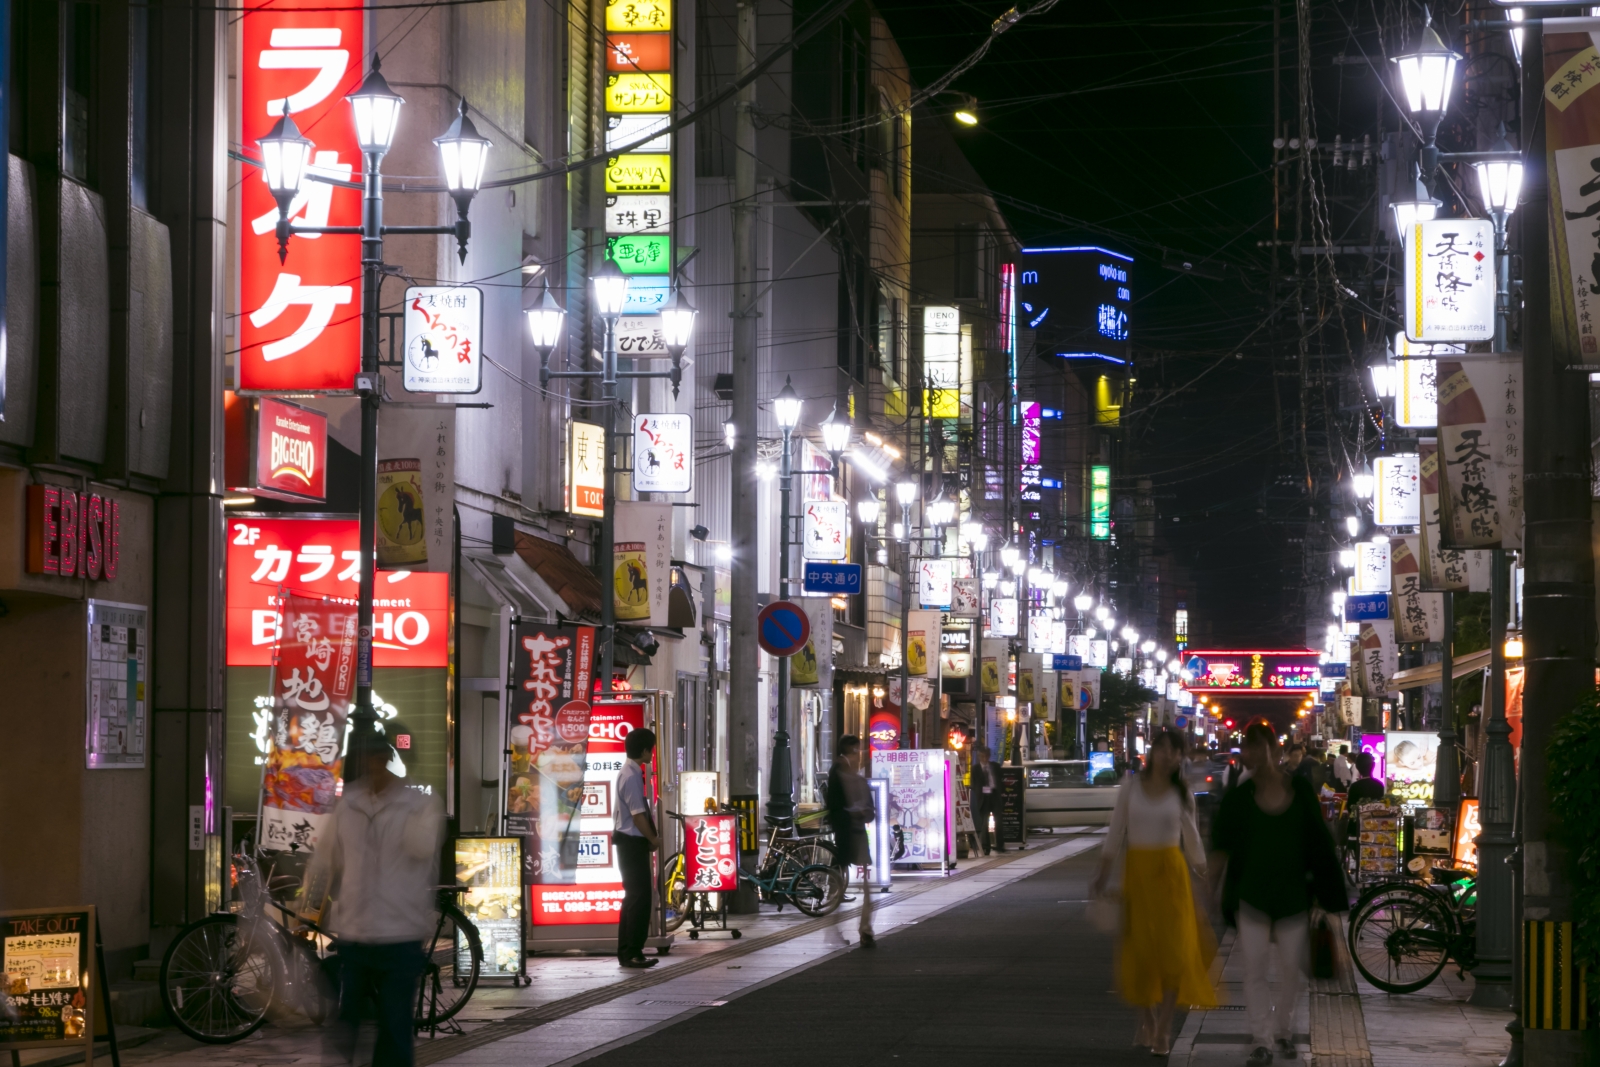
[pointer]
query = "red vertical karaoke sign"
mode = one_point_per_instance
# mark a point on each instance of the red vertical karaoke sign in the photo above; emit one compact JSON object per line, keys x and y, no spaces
{"x":300,"y":328}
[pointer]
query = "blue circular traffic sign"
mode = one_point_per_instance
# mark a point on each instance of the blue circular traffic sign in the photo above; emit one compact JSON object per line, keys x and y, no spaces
{"x":782,"y":628}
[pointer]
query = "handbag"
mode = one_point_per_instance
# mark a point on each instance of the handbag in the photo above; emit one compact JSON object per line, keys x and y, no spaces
{"x":1105,"y":912}
{"x":1323,"y":950}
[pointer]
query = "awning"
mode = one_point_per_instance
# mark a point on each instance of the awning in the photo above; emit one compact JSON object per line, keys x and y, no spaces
{"x":566,"y":576}
{"x":512,"y":584}
{"x":1430,"y":673}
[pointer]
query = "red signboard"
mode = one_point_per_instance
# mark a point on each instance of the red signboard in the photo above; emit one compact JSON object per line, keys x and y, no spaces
{"x":291,"y":448}
{"x":73,"y":534}
{"x":593,"y":894}
{"x":710,"y":860}
{"x":639,"y":51}
{"x":410,"y":609}
{"x":300,"y":330}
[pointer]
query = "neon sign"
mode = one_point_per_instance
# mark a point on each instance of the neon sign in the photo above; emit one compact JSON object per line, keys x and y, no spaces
{"x":1100,"y":503}
{"x":1251,"y":671}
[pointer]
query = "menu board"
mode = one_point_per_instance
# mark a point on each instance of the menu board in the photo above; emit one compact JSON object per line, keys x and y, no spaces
{"x":491,"y":868}
{"x":1011,"y":823}
{"x":1431,"y":832}
{"x":47,"y":967}
{"x":1381,"y":845}
{"x":119,"y":653}
{"x":919,"y":800}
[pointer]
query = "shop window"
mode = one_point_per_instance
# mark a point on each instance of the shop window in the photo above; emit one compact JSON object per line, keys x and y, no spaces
{"x":80,"y":33}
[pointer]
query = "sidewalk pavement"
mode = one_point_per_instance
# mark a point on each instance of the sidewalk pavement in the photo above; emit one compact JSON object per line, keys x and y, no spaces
{"x":1345,"y":1022}
{"x":576,"y":1006}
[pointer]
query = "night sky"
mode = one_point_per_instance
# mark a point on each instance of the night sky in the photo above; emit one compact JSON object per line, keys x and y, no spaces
{"x":1147,"y":128}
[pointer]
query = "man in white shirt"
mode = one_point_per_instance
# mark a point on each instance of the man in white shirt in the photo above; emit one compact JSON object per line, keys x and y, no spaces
{"x":379,"y":851}
{"x":634,"y":837}
{"x":1343,"y":773}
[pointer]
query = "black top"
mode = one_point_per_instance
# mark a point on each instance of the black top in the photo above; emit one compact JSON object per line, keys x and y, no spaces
{"x":1242,"y":830}
{"x":1363,"y":790}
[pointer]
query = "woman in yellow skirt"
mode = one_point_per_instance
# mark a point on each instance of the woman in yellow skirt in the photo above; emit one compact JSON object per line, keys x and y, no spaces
{"x":1166,"y":947}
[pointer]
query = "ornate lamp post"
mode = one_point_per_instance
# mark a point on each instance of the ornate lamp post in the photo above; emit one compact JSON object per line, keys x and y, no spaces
{"x":780,"y":786}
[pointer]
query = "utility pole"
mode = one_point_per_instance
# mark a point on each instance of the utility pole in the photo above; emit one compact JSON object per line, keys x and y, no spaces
{"x":744,"y":655}
{"x":1558,"y":599}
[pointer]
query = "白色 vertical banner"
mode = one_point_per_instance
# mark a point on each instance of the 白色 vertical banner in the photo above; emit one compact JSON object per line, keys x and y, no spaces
{"x":1480,"y":453}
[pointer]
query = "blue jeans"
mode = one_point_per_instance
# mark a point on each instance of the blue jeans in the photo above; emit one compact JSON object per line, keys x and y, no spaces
{"x":389,"y":974}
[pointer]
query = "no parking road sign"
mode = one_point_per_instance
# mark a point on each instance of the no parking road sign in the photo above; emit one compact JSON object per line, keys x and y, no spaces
{"x":782,"y":628}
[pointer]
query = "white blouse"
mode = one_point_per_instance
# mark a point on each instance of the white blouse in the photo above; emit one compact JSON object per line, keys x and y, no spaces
{"x":1140,"y":822}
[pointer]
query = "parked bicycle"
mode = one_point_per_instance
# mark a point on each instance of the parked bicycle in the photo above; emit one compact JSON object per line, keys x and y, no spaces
{"x":786,"y":876}
{"x":1403,"y":933}
{"x":224,"y":975}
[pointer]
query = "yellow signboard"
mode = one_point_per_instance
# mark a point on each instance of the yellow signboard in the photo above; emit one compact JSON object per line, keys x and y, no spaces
{"x":586,"y":470}
{"x":639,"y":173}
{"x":625,"y":15}
{"x":632,"y":94}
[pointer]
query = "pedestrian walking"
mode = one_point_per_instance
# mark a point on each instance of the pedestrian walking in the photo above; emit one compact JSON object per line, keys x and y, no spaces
{"x":1365,"y":789}
{"x":986,"y":797}
{"x":634,"y":836}
{"x":1343,"y":773}
{"x":850,"y":809}
{"x":1276,"y":859}
{"x":1166,"y":947}
{"x":379,"y":855}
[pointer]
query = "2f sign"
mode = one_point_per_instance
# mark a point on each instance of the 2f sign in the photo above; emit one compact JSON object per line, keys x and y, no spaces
{"x":300,"y":327}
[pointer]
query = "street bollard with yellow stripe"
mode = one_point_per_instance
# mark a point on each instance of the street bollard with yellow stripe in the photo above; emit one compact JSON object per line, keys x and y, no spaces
{"x":1556,"y":995}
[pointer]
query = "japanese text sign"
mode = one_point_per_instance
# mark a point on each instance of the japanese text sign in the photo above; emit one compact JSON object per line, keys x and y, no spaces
{"x":710,"y":853}
{"x":1449,"y":280}
{"x":444,"y":339}
{"x":1480,"y":453}
{"x":1372,"y":567}
{"x":1418,"y":401}
{"x":1398,"y":501}
{"x":663,"y":453}
{"x":313,"y":679}
{"x":586,"y":470}
{"x":824,"y":529}
{"x":411,"y":609}
{"x":300,"y":327}
{"x":934,"y":578}
{"x":51,"y":989}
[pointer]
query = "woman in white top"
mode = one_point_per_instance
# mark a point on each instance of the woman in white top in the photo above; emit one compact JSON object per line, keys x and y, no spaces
{"x":1165,"y":949}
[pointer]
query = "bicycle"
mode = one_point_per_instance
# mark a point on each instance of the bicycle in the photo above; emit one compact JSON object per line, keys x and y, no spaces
{"x":224,"y":974}
{"x":1403,"y":933}
{"x":784,"y":877}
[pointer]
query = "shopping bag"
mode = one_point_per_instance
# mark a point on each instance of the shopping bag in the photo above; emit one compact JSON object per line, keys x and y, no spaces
{"x":1323,"y":949}
{"x":1105,"y":912}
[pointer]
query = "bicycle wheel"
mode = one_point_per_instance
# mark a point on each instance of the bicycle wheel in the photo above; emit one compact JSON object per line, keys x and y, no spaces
{"x":674,"y":894}
{"x":449,"y":972}
{"x":1400,"y":940}
{"x":216,"y":982}
{"x":816,"y":890}
{"x":814,"y":852}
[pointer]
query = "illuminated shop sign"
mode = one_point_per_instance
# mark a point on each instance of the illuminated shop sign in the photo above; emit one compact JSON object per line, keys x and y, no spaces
{"x":1100,"y":503}
{"x":1246,"y":670}
{"x":1077,"y":301}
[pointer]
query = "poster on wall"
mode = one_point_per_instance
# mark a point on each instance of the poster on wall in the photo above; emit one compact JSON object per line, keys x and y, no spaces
{"x":491,"y":869}
{"x":313,"y":680}
{"x":920,"y":801}
{"x":119,"y":653}
{"x":416,"y":488}
{"x":547,"y":743}
{"x":1480,"y":452}
{"x":643,"y":556}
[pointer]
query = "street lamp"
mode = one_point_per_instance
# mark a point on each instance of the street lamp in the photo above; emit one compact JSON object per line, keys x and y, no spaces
{"x":836,"y":441}
{"x":780,"y":794}
{"x":867,"y":512}
{"x":1500,"y":183}
{"x":1082,"y":602}
{"x":1427,"y":73}
{"x":545,"y":320}
{"x":285,"y":155}
{"x":677,"y":326}
{"x":906,"y":493}
{"x":1419,"y":208}
{"x":1362,"y":482}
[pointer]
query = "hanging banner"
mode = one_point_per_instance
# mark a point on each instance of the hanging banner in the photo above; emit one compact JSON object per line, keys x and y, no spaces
{"x":825,"y":529}
{"x":1398,"y":498}
{"x":313,"y":679}
{"x":663,"y":453}
{"x":1372,"y":567}
{"x":1449,"y":280}
{"x":812,"y":666}
{"x":1378,"y":658}
{"x":924,"y":630}
{"x":1572,"y":132}
{"x":1418,"y":616}
{"x":1067,"y":684}
{"x":1443,"y":569}
{"x":417,"y":488}
{"x":1088,"y":690}
{"x":444,"y":339}
{"x":965,"y":596}
{"x":989,"y":675}
{"x":1039,"y":631}
{"x":300,"y":320}
{"x":1480,"y":449}
{"x":547,"y":741}
{"x":642,"y":562}
{"x":1417,"y":398}
{"x":934,"y":583}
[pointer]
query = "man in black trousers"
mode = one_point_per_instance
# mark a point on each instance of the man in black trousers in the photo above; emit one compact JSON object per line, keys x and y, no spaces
{"x":986,"y":798}
{"x":634,"y":837}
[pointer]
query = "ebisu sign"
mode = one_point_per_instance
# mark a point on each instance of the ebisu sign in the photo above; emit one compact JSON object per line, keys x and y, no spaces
{"x":73,"y":534}
{"x":300,"y":327}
